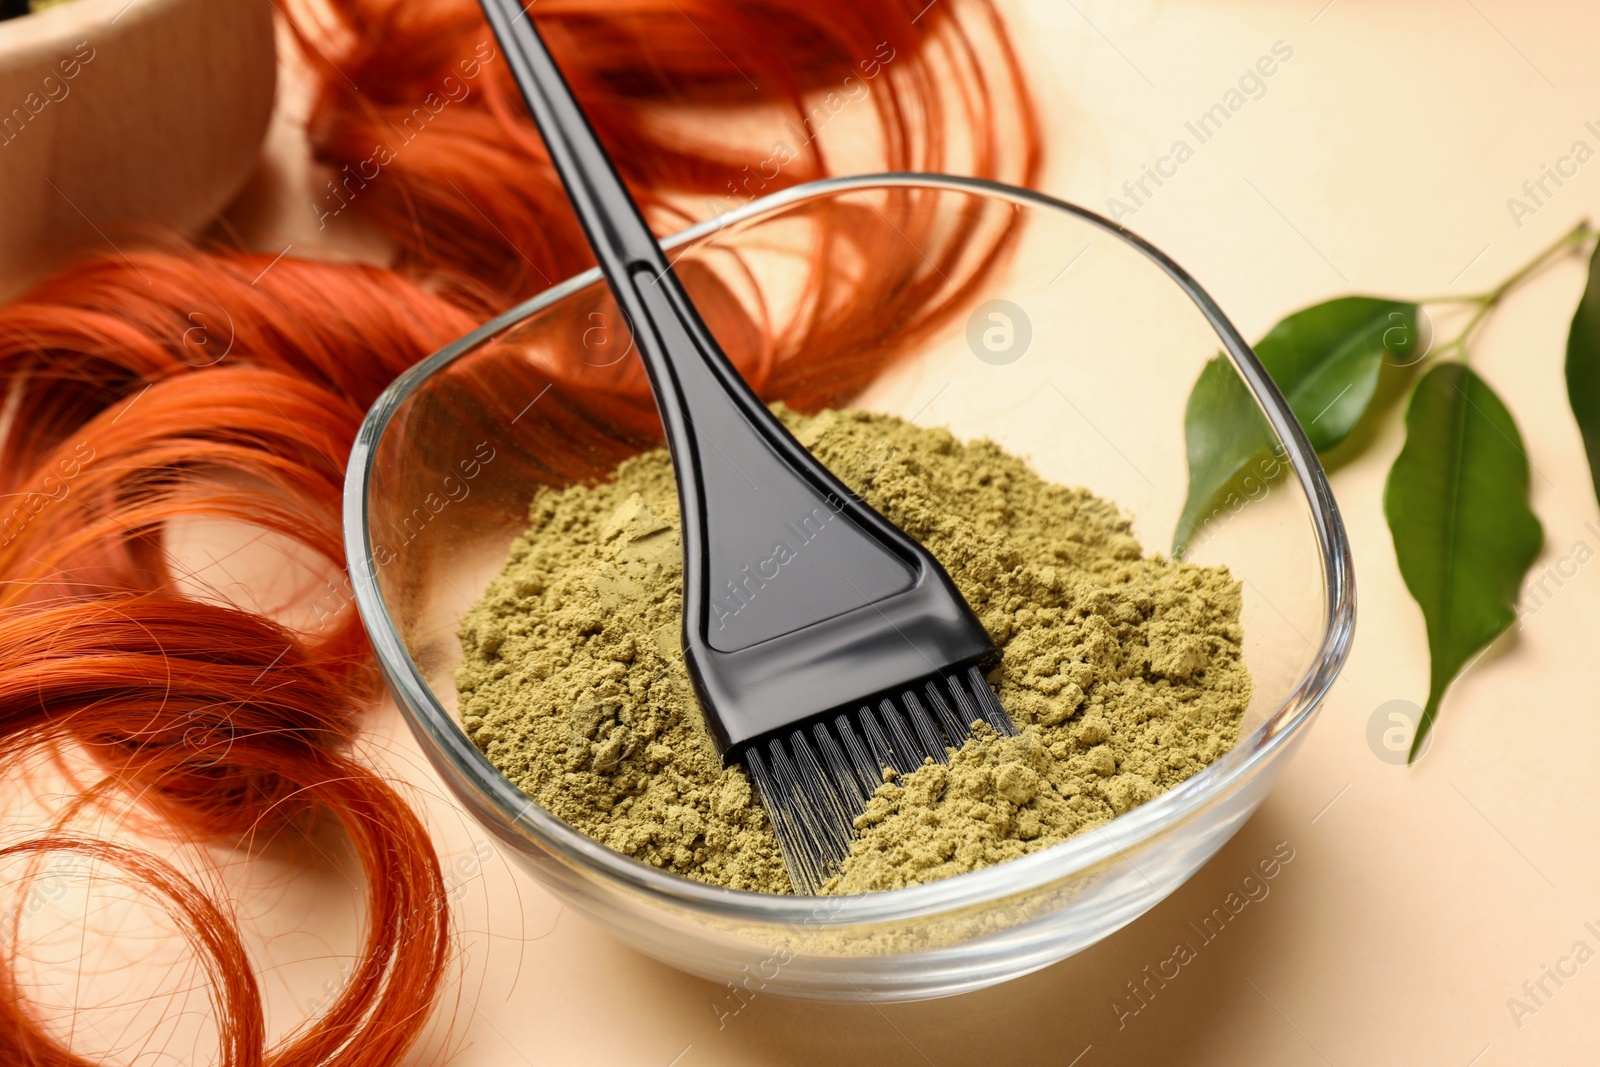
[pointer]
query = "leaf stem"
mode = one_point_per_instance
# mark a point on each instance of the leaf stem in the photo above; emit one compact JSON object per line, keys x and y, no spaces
{"x":1485,"y":302}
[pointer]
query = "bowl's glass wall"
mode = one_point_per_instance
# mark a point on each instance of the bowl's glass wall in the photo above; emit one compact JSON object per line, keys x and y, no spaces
{"x":1071,"y":348}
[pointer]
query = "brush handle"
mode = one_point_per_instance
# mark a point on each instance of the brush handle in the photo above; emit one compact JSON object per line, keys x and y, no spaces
{"x":781,"y":620}
{"x":741,"y":475}
{"x":705,"y":406}
{"x":615,"y":227}
{"x":689,"y":373}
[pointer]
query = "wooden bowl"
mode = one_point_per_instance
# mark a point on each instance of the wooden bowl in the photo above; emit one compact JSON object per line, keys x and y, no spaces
{"x":120,"y":117}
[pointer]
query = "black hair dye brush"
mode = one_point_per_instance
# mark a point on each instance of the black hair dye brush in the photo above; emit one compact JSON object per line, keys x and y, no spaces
{"x":859,"y":654}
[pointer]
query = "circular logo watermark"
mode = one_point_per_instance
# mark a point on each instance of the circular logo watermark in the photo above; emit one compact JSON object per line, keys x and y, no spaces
{"x":1405,"y":343}
{"x":208,"y":335}
{"x":604,"y":339}
{"x":999,"y":332}
{"x":1390,"y":729}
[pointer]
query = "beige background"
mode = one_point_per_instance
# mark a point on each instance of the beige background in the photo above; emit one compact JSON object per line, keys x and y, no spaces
{"x":1380,"y":159}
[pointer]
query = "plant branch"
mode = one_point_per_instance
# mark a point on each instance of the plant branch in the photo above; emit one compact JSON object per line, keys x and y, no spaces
{"x":1485,"y":302}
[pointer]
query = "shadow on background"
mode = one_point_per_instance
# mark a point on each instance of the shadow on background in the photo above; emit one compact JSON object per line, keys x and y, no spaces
{"x":1068,"y":1010}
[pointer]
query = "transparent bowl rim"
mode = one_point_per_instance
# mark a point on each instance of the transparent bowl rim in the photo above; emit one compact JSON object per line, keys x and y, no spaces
{"x":434,"y":722}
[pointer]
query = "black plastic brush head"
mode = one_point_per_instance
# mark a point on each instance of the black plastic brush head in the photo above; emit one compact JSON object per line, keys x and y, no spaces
{"x":842,"y":650}
{"x":815,"y":782}
{"x":824,"y":644}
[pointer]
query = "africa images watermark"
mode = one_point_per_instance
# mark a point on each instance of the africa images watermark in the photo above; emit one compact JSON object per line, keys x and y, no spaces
{"x":55,"y":487}
{"x":467,"y":868}
{"x":755,"y":979}
{"x":1542,"y":588}
{"x":1539,"y":190}
{"x":354,"y":177}
{"x":752,"y":182}
{"x":1391,"y":728}
{"x":46,"y":887}
{"x":741,"y":591}
{"x":999,"y":332}
{"x":1251,"y":485}
{"x":1537,"y":992}
{"x":452,"y":489}
{"x":1251,"y":85}
{"x":1253,"y":889}
{"x":52,"y":90}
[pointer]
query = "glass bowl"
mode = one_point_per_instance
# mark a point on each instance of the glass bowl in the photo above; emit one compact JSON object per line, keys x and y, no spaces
{"x":1073,"y":344}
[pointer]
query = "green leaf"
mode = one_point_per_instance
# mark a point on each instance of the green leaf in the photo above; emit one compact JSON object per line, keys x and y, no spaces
{"x":1325,"y":359}
{"x":1457,"y":505}
{"x":1583,"y":368}
{"x":1227,"y":436}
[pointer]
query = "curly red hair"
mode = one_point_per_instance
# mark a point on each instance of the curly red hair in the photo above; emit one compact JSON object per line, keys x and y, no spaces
{"x":164,"y":385}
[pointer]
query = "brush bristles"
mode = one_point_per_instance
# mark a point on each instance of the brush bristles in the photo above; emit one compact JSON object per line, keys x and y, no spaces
{"x":815,"y":780}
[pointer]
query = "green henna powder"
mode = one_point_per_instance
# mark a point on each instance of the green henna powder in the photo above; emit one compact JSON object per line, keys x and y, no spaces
{"x":1123,"y":672}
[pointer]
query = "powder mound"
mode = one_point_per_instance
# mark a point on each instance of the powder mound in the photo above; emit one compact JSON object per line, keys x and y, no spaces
{"x":1123,"y":672}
